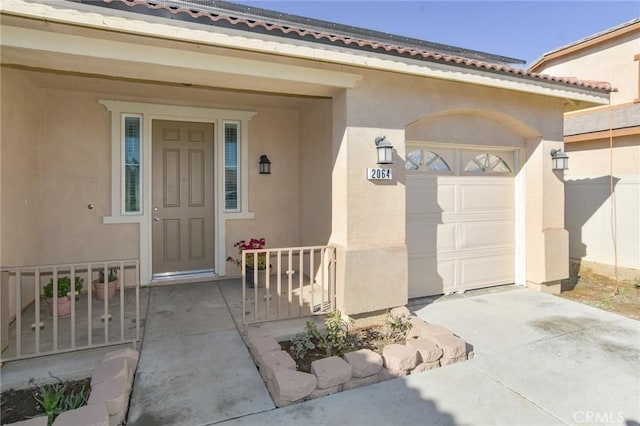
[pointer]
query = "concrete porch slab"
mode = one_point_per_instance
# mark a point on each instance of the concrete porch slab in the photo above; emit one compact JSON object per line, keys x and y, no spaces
{"x":186,"y":309}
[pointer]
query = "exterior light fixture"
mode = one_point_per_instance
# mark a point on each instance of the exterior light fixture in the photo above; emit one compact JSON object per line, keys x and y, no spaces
{"x":385,"y":150}
{"x":265,"y":165}
{"x":560,"y":159}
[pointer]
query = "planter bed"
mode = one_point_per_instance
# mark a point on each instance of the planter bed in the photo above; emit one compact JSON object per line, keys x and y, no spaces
{"x":427,"y":346}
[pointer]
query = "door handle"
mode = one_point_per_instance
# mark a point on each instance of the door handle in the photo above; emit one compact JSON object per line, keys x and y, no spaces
{"x":156,"y":218}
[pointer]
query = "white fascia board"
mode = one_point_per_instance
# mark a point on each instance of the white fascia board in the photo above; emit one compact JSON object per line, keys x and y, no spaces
{"x":122,"y":21}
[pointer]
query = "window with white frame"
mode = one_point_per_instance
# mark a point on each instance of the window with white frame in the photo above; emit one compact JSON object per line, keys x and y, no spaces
{"x":131,"y":170}
{"x":231,"y":166}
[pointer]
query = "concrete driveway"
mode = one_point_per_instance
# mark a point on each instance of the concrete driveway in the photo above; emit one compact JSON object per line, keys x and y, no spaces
{"x":540,"y":360}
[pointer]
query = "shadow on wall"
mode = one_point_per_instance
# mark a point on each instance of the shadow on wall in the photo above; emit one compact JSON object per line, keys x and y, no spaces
{"x":587,"y":217}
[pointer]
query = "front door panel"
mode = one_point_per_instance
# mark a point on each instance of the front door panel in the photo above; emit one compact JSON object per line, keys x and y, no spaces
{"x":183,"y":221}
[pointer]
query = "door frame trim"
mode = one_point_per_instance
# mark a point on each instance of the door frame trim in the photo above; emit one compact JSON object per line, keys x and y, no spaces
{"x":170,"y":112}
{"x":520,"y":231}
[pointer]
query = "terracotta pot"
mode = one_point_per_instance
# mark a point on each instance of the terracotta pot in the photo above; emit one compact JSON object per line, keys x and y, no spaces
{"x":98,"y":288}
{"x":64,"y":306}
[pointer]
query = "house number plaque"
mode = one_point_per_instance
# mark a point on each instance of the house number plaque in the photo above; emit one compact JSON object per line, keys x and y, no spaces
{"x":379,"y":174}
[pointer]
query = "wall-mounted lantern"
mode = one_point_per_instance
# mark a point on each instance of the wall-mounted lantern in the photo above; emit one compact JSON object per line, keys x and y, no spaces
{"x":560,"y":159}
{"x":265,"y":165}
{"x":385,"y":150}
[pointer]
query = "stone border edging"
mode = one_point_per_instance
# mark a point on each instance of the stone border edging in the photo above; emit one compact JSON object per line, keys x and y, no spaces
{"x":428,"y":346}
{"x":111,"y":385}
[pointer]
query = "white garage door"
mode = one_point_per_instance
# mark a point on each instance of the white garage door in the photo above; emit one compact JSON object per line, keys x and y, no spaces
{"x":460,"y":219}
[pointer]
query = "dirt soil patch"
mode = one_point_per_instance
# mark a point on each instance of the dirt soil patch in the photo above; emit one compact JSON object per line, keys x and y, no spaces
{"x":596,"y":290}
{"x":18,"y":405}
{"x":366,"y":338}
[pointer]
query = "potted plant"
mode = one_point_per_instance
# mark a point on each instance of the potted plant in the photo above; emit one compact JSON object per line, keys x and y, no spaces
{"x":261,"y":260}
{"x":64,"y":300}
{"x":111,"y":285}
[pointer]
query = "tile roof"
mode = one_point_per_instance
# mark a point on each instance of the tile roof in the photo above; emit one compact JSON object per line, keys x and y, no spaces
{"x":189,"y":9}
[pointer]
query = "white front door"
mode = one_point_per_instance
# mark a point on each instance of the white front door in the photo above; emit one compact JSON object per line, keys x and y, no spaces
{"x":460,"y":219}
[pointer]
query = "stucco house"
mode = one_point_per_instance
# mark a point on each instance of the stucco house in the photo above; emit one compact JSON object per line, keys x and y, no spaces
{"x":134,"y":130}
{"x":604,"y":148}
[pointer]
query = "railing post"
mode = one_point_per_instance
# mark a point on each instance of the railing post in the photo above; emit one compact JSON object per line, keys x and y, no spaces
{"x":137,"y":278}
{"x":244,"y":288}
{"x":312,"y":274}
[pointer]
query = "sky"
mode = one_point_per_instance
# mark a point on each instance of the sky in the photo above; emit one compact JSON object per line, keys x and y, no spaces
{"x":517,"y":29}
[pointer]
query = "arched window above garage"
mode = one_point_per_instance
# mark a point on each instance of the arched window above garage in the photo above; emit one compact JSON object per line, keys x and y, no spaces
{"x":420,"y":160}
{"x":487,"y":163}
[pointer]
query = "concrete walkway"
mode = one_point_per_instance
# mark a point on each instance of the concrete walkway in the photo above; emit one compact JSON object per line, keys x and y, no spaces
{"x":540,"y":360}
{"x":194,"y":368}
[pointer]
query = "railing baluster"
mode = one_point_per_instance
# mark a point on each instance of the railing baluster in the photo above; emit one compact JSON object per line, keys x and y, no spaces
{"x":19,"y":313}
{"x":105,"y":304}
{"x":137,"y":281}
{"x":312,"y":275}
{"x":301,"y":282}
{"x":55,"y":308}
{"x":73,"y":306}
{"x":279,"y":272}
{"x":121,"y":282}
{"x":267,"y":273}
{"x":290,"y":282}
{"x":323,"y":265}
{"x":332,"y":278}
{"x":89,"y":305}
{"x":36,"y":296}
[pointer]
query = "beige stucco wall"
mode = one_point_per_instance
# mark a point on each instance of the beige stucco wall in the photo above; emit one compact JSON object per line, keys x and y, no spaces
{"x":593,"y":158}
{"x":611,"y":61}
{"x":20,"y":132}
{"x":369,"y":218}
{"x":20,"y":207}
{"x":315,"y":173}
{"x":273,"y":198}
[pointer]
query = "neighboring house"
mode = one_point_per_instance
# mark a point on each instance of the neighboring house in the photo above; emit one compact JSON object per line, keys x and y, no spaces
{"x":613,"y":56}
{"x":114,"y":112}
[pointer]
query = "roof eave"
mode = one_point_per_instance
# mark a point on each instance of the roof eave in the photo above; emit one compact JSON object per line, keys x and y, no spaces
{"x":236,"y":39}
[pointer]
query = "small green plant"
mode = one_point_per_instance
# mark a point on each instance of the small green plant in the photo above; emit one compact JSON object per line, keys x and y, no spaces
{"x":50,"y":398}
{"x":64,"y":287}
{"x":301,"y":344}
{"x":337,"y":338}
{"x":113,"y":275}
{"x":55,"y":398}
{"x":395,"y":328}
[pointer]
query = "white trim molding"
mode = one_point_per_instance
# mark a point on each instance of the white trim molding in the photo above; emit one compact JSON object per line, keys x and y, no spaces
{"x":150,"y":112}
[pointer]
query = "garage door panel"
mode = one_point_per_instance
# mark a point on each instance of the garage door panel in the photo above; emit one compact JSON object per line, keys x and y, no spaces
{"x":428,"y":277}
{"x":486,"y":196}
{"x":486,"y":234}
{"x":429,"y":236}
{"x":421,"y":194}
{"x":486,"y":271}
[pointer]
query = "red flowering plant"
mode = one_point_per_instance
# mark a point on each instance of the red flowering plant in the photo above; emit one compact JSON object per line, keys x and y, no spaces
{"x":252,"y":244}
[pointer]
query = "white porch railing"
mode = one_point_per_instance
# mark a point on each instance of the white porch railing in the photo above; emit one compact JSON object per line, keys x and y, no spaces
{"x":295,"y":282}
{"x":91,"y":323}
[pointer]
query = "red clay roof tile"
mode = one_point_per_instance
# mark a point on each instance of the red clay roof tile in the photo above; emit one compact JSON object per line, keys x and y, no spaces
{"x":376,"y":46}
